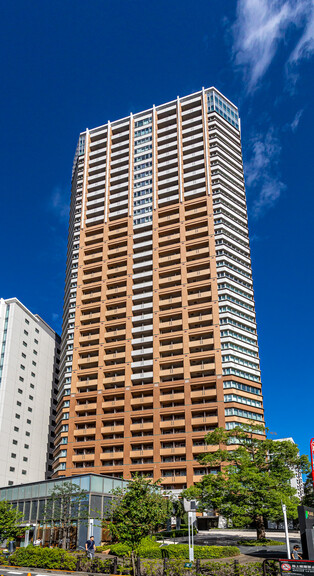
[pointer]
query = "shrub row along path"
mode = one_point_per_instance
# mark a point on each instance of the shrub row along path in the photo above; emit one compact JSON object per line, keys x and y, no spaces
{"x":231,"y":537}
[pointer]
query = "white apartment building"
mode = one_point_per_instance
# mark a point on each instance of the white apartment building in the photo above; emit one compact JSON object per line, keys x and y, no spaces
{"x":297,"y":480}
{"x":28,"y":387}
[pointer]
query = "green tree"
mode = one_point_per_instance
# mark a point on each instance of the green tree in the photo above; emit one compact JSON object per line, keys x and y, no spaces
{"x":66,"y":505}
{"x":308,"y":498}
{"x":253,"y":478}
{"x":138,"y":511}
{"x":10,"y":520}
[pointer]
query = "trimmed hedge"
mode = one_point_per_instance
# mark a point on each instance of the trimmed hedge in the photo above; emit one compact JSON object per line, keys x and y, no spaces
{"x":51,"y":558}
{"x":265,"y":542}
{"x":120,"y":550}
{"x":206,"y":552}
{"x":153,"y":551}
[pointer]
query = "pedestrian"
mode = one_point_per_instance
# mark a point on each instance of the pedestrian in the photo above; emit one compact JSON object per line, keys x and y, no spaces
{"x":90,"y":547}
{"x":295,"y":555}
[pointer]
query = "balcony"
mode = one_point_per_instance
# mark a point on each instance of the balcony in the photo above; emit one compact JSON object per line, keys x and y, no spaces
{"x":177,"y":423}
{"x":84,"y":432}
{"x":139,"y":453}
{"x":115,"y":356}
{"x":112,"y":455}
{"x":90,"y":316}
{"x":85,"y":407}
{"x":115,"y":379}
{"x":110,"y":403}
{"x":173,"y":479}
{"x":209,"y":393}
{"x":83,"y":457}
{"x":142,"y":426}
{"x":204,"y":420}
{"x":173,"y":450}
{"x":142,"y":401}
{"x":172,"y":396}
{"x":113,"y":428}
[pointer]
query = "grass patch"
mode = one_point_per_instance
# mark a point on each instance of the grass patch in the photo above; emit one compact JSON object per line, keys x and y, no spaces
{"x":265,"y":542}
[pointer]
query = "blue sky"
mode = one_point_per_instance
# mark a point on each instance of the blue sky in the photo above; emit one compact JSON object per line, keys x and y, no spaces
{"x":70,"y":65}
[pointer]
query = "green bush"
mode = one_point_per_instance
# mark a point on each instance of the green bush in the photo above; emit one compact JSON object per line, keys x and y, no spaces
{"x":120,"y":550}
{"x":51,"y":558}
{"x":182,"y":551}
{"x":265,"y":542}
{"x":97,"y":565}
{"x":102,"y":548}
{"x":151,"y":552}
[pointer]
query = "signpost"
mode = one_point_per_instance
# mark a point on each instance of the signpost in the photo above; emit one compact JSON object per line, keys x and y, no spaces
{"x":297,"y":567}
{"x":306,"y":521}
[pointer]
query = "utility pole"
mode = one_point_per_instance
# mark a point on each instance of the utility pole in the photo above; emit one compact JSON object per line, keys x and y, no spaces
{"x":284,"y":510}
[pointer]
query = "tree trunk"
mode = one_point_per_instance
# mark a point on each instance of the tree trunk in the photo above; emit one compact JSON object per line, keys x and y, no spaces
{"x":133,"y":563}
{"x":260,"y":528}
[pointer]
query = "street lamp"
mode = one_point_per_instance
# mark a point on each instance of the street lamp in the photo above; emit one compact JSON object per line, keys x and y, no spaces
{"x":190,"y":508}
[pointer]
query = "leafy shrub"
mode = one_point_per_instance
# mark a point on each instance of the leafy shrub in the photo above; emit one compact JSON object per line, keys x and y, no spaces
{"x":182,"y":551}
{"x":120,"y":550}
{"x":102,"y":548}
{"x":151,"y":552}
{"x":265,"y":542}
{"x":51,"y":558}
{"x":227,"y":569}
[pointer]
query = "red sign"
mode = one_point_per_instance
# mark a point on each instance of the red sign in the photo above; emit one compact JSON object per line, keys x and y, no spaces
{"x":286,"y":567}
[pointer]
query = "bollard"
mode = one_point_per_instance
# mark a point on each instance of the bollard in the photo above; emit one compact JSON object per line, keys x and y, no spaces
{"x":198,"y":566}
{"x":236,"y":568}
{"x":115,"y":565}
{"x":165,"y":567}
{"x":138,"y":566}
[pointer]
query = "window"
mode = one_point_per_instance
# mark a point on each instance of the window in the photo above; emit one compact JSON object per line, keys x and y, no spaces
{"x":22,"y":366}
{"x":28,"y":421}
{"x":13,"y":455}
{"x":23,"y":355}
{"x":11,"y":470}
{"x":25,"y":459}
{"x":26,"y":446}
{"x":16,"y":429}
{"x":21,"y":379}
{"x":19,"y":403}
{"x":36,"y":330}
{"x":35,"y":352}
{"x":17,"y":416}
{"x":34,"y":363}
{"x":25,"y":332}
{"x":33,"y":374}
{"x":32,"y":386}
{"x":27,"y":433}
{"x":23,"y":471}
{"x":20,"y":391}
{"x":36,"y":341}
{"x":31,"y":397}
{"x":15,"y":442}
{"x":26,"y":321}
{"x":24,"y":343}
{"x":30,"y":409}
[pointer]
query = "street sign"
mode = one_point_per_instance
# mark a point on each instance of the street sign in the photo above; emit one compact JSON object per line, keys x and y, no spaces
{"x":297,"y":567}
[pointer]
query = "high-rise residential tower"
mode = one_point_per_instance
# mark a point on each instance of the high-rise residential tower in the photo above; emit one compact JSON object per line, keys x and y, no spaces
{"x":28,"y":389}
{"x":159,"y":340}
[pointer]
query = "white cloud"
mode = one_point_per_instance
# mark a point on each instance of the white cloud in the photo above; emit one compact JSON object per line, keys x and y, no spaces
{"x":261,"y":172}
{"x":59,"y":203}
{"x":259,"y":28}
{"x":305,"y":45}
{"x":295,"y":122}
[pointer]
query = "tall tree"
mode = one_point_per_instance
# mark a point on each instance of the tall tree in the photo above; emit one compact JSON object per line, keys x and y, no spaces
{"x":66,"y":506}
{"x":138,"y":511}
{"x":253,"y":478}
{"x":10,"y":520}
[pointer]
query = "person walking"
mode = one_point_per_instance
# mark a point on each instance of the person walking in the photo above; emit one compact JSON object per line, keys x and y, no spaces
{"x":90,"y":547}
{"x":295,"y":555}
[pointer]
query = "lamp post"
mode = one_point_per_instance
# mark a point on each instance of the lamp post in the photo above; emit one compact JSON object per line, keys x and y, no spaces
{"x":284,"y":510}
{"x":312,"y":465}
{"x":190,"y":508}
